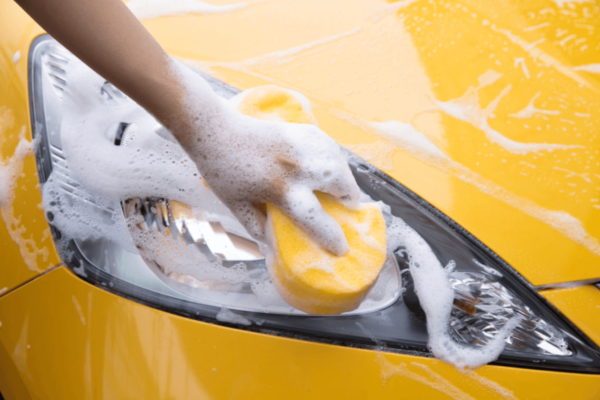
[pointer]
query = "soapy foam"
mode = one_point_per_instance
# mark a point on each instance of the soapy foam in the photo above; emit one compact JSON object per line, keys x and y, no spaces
{"x":490,"y":384}
{"x":226,"y":315}
{"x":561,"y":221}
{"x":436,"y":297}
{"x":530,"y":110}
{"x":541,"y":57}
{"x":434,"y":381}
{"x":406,"y":136}
{"x":466,"y":108}
{"x":593,"y":68}
{"x":285,"y":56}
{"x":78,"y":309}
{"x":10,"y":172}
{"x":144,"y":165}
{"x":561,"y":3}
{"x":392,"y":8}
{"x":266,"y":293}
{"x":182,"y":259}
{"x":84,"y":216}
{"x":149,"y":9}
{"x":17,"y":57}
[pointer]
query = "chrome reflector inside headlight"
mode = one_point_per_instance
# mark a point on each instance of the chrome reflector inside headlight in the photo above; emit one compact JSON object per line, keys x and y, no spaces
{"x":487,"y":291}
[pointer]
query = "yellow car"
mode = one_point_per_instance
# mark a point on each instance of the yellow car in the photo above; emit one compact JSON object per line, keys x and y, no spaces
{"x":476,"y":122}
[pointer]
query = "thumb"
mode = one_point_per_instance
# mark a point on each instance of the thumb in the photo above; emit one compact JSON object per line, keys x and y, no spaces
{"x":305,"y":210}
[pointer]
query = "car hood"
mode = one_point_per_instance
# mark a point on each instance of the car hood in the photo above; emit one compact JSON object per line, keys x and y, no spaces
{"x":487,"y":110}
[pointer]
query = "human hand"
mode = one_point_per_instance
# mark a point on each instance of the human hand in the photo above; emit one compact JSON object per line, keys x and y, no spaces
{"x":252,"y":162}
{"x":248,"y":162}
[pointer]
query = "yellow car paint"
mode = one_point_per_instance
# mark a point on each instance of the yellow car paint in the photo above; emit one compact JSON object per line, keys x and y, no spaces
{"x":359,"y":62}
{"x":26,"y":248}
{"x":62,"y":338}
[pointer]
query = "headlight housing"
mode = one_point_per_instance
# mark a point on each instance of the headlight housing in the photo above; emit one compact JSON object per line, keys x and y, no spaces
{"x":488,"y":292}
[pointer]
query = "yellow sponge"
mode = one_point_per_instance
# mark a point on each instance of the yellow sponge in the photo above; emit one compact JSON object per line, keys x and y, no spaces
{"x":274,"y":103}
{"x":305,"y":275}
{"x":314,"y":280}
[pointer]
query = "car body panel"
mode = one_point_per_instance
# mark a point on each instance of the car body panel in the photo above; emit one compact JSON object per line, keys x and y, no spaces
{"x":26,"y":245}
{"x":581,"y":305}
{"x":359,"y":62}
{"x":64,"y":338}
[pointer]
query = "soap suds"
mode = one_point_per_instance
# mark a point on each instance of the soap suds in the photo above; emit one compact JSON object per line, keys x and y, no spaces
{"x":176,"y":257}
{"x":489,"y":270}
{"x":407,"y":137}
{"x":561,"y":221}
{"x":285,"y":56}
{"x":80,"y":215}
{"x":78,"y":309}
{"x":467,"y":108}
{"x":228,"y":316}
{"x":561,"y":3}
{"x":144,"y":165}
{"x":521,"y":61}
{"x":17,"y":57}
{"x":149,"y":9}
{"x":490,"y":384}
{"x":541,"y":57}
{"x":530,"y":110}
{"x":436,"y":297}
{"x":593,"y":68}
{"x":3,"y":290}
{"x":266,"y":293}
{"x":392,"y":8}
{"x":377,"y":153}
{"x":10,"y":172}
{"x":434,"y":381}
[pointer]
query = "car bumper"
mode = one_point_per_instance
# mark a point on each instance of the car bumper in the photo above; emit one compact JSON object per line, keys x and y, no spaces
{"x":62,"y":338}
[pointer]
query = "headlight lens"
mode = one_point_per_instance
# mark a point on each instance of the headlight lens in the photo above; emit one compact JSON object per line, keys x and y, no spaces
{"x":488,"y":292}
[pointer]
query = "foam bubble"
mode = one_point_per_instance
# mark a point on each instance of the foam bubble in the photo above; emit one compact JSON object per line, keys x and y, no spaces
{"x":226,"y":315}
{"x":144,"y":165}
{"x":10,"y":171}
{"x":149,"y":9}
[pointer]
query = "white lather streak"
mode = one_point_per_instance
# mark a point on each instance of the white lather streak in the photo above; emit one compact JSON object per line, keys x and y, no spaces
{"x":149,"y":9}
{"x":283,"y":56}
{"x":466,"y":108}
{"x":436,"y":297}
{"x":560,"y":221}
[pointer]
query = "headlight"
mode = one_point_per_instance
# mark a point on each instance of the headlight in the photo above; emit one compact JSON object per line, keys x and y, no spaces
{"x":488,"y":292}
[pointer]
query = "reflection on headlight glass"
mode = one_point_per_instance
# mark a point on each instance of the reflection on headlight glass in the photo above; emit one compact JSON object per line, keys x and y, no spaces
{"x":487,"y":291}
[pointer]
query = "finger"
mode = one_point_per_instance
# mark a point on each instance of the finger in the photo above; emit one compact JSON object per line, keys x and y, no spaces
{"x":305,"y":210}
{"x":251,"y":218}
{"x":341,"y":185}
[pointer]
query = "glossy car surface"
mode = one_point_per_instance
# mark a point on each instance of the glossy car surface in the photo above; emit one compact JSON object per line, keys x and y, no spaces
{"x":481,"y":80}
